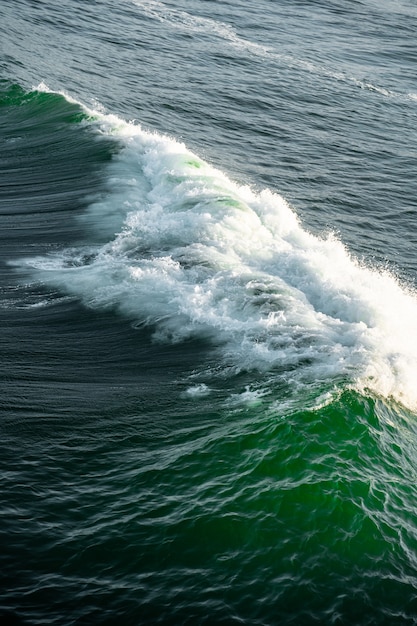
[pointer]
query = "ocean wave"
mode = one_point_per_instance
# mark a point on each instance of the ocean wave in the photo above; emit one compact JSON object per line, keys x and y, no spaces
{"x":178,"y":246}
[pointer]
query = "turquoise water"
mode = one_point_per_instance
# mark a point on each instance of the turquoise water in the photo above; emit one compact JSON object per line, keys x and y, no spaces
{"x":208,"y":312}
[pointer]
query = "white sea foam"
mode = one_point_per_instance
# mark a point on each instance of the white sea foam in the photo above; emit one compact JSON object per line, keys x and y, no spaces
{"x":192,"y":254}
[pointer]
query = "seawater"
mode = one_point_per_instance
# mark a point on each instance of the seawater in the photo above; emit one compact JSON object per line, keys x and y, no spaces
{"x":208,"y":313}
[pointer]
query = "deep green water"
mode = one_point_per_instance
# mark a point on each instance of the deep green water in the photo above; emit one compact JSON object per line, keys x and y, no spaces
{"x":207,"y":407}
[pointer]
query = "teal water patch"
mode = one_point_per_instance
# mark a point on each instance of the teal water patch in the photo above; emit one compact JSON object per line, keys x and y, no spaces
{"x":248,"y":515}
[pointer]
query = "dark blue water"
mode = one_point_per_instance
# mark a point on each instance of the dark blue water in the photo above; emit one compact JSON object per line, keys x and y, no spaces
{"x":209,"y":351}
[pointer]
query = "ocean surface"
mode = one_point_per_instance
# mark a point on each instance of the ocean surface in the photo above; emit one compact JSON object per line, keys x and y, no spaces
{"x":208,"y":312}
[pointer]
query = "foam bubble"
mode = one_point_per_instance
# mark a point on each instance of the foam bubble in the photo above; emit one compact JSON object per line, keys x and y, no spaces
{"x":198,"y":391}
{"x":250,"y":397}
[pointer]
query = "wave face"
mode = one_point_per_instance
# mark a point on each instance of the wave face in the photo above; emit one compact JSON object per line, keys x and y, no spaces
{"x":177,"y":246}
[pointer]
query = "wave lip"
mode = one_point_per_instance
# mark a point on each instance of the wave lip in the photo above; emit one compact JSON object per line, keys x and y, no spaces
{"x":178,"y":246}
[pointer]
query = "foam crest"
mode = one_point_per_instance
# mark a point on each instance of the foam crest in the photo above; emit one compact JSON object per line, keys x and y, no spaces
{"x":179,"y":247}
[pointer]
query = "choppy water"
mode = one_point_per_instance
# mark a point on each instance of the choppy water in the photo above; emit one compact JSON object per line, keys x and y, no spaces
{"x":207,"y":281}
